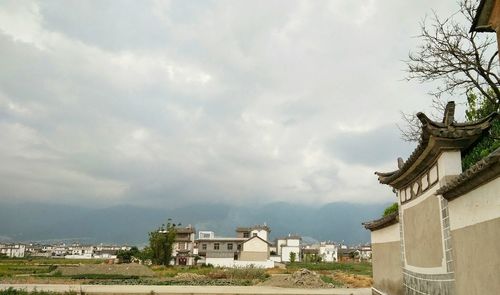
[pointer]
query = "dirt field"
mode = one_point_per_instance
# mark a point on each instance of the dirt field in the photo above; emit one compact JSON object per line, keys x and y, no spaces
{"x":107,"y":269}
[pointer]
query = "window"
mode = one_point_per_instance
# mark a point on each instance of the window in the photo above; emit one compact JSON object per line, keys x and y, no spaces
{"x":216,"y":246}
{"x":230,"y":246}
{"x":246,"y":235}
{"x":204,"y":246}
{"x":238,"y":247}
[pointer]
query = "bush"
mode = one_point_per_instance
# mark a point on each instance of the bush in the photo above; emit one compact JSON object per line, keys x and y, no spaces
{"x":391,"y":209}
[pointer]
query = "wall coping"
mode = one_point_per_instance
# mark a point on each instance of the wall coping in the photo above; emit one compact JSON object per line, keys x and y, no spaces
{"x":478,"y":174}
{"x":383,"y":222}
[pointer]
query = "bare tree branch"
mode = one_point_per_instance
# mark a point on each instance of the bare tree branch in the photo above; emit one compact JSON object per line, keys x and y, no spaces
{"x":462,"y":62}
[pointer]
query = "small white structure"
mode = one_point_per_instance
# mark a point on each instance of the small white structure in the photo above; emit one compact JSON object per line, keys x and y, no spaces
{"x":328,"y":252}
{"x":13,"y":250}
{"x":288,"y":245}
{"x":206,"y":234}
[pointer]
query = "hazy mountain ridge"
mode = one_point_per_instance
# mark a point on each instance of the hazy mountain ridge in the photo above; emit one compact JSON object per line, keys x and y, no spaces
{"x":131,"y":224}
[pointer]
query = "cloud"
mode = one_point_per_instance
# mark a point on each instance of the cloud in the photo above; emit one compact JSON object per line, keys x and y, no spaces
{"x":372,"y":147}
{"x":166,"y":103}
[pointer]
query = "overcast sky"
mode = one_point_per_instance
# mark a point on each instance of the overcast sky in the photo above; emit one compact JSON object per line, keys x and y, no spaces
{"x":166,"y":103}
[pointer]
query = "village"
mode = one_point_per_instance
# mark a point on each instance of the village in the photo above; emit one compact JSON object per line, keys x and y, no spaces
{"x":250,"y":247}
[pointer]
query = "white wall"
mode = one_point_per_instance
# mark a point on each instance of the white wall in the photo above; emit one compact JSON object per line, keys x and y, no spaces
{"x":328,"y":253}
{"x":220,"y":262}
{"x":255,"y":245}
{"x":260,"y":233}
{"x":230,"y":262}
{"x":479,"y":205}
{"x":256,"y":264}
{"x":386,"y":234}
{"x":293,"y":242}
{"x":275,"y":258}
{"x":285,"y":253}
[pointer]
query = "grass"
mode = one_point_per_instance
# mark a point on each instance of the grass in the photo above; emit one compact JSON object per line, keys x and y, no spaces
{"x":12,"y":291}
{"x":362,"y":268}
{"x":169,"y":271}
{"x":330,"y":280}
{"x":239,"y":274}
{"x":101,"y":277}
{"x":36,"y":266}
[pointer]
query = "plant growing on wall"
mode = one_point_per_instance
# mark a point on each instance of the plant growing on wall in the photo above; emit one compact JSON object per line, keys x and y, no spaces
{"x":391,"y":209}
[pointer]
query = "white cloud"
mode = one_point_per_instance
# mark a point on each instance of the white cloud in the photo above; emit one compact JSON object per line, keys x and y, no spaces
{"x":158,"y":102}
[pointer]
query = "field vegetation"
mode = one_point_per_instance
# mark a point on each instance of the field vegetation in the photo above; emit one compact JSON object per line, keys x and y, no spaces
{"x":97,"y":272}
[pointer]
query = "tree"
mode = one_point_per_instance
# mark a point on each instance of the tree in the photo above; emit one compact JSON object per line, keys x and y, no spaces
{"x":161,"y":243}
{"x":125,"y":256}
{"x":463,"y":62}
{"x":293,"y":256}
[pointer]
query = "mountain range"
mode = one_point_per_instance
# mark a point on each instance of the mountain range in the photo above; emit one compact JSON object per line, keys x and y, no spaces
{"x":129,"y":224}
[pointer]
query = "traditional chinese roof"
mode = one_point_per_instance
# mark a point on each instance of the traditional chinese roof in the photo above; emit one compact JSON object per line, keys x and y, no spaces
{"x":382,"y":222}
{"x":481,"y":172}
{"x":436,"y":137}
{"x":481,"y":19}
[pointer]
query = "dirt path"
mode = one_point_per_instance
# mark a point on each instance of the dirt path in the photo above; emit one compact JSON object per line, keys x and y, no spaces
{"x":171,"y":290}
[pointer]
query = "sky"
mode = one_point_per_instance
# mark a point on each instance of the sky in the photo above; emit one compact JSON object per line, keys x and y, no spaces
{"x":169,"y":103}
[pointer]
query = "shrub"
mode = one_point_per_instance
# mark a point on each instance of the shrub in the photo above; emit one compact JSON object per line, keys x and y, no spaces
{"x":391,"y":209}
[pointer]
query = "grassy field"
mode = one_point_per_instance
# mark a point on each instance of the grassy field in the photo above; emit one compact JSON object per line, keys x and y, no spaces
{"x":12,"y":291}
{"x":362,"y":268}
{"x":34,"y":266}
{"x":45,"y":270}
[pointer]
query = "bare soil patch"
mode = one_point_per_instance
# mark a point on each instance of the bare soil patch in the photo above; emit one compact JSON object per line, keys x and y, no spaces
{"x":353,"y":280}
{"x":302,"y":278}
{"x":107,"y":269}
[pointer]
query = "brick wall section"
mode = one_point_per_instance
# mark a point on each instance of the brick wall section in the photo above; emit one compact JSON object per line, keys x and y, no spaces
{"x":420,"y":284}
{"x":447,"y":236}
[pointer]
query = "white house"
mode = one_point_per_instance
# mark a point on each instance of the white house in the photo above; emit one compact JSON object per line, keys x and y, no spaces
{"x":13,"y":250}
{"x":288,"y":245}
{"x":328,"y":252}
{"x":248,"y":249}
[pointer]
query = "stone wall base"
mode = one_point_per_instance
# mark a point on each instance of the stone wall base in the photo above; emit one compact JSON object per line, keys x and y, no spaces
{"x":420,"y":284}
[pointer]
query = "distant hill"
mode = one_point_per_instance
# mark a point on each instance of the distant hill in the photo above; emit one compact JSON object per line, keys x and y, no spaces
{"x":131,"y":224}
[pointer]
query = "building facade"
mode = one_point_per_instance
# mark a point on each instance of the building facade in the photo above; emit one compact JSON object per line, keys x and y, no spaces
{"x":445,"y":216}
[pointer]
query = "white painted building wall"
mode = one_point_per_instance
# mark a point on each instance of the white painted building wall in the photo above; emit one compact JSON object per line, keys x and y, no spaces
{"x":255,"y":245}
{"x":231,"y":263}
{"x":285,"y":253}
{"x":261,"y":233}
{"x":328,"y":252}
{"x":13,"y":250}
{"x":254,"y":264}
{"x":220,"y":262}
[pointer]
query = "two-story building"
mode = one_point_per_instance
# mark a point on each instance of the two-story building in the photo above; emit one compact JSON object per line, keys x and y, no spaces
{"x":285,"y":246}
{"x":184,"y":245}
{"x":249,"y":248}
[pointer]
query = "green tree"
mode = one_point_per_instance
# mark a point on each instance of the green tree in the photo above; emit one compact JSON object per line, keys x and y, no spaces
{"x":161,"y":243}
{"x":293,"y":256}
{"x":125,"y":256}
